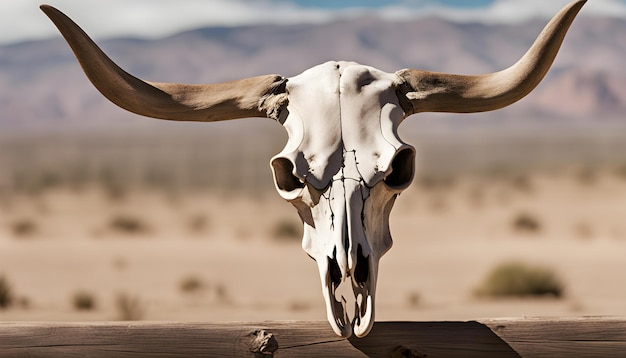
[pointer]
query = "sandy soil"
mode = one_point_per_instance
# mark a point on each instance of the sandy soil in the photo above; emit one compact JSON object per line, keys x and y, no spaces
{"x":447,"y":238}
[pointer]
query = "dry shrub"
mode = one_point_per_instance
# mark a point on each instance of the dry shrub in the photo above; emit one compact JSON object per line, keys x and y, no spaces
{"x":221,"y":293}
{"x":24,"y":227}
{"x":116,"y":192}
{"x":83,"y":301}
{"x":6,"y":293}
{"x":286,"y":230}
{"x":620,"y":171}
{"x":128,"y":224}
{"x":587,"y":176}
{"x":522,"y":183}
{"x":192,"y":284}
{"x":299,"y":306}
{"x":128,"y":307}
{"x":198,"y":223}
{"x":516,"y":279}
{"x":414,"y":299}
{"x":215,"y":292}
{"x":23,"y":302}
{"x":526,"y":223}
{"x":436,"y":182}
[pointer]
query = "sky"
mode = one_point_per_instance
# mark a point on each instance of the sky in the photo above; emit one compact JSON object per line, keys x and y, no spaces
{"x":22,"y":20}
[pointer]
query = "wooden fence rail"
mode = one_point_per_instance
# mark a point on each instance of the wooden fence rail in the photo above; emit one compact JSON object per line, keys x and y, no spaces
{"x":563,"y":337}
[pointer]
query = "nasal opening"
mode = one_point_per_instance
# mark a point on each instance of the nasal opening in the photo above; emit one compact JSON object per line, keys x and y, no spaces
{"x":334,"y":271}
{"x":362,"y":269}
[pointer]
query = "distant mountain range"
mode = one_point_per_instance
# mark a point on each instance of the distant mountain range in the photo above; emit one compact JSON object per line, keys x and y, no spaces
{"x":42,"y":86}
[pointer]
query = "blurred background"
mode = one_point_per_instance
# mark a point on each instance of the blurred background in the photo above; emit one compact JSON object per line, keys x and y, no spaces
{"x":107,"y":215}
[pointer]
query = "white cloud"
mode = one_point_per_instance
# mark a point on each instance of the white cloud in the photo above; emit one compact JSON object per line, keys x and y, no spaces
{"x":507,"y":11}
{"x":22,"y":19}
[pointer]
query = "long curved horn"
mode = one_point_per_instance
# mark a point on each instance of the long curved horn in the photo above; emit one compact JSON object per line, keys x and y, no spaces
{"x":425,"y":91}
{"x":250,"y":97}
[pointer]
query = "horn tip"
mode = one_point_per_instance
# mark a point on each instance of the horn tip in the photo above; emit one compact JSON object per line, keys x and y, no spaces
{"x":49,"y":10}
{"x":579,"y":3}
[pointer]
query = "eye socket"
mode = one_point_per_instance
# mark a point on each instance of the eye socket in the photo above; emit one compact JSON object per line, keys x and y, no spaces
{"x":402,"y":169}
{"x":283,"y":175}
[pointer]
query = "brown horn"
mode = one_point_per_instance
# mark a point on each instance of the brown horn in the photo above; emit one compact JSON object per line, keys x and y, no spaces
{"x":425,"y":91}
{"x":250,"y":97}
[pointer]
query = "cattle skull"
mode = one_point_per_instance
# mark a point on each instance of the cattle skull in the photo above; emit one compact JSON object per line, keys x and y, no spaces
{"x":344,"y":163}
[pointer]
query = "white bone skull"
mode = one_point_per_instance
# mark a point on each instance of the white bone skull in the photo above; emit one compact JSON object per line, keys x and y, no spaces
{"x":344,"y":183}
{"x":344,"y":163}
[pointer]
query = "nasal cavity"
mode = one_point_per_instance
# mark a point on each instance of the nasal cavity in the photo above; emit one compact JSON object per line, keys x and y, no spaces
{"x":362,"y":269}
{"x":334,"y":271}
{"x":283,"y":175}
{"x":402,"y":169}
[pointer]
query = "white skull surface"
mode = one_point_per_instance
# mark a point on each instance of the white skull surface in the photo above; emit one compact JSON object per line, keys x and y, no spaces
{"x":344,"y":183}
{"x":344,"y":163}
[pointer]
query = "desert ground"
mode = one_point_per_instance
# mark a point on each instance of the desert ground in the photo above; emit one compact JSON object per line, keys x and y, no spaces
{"x":215,"y":255}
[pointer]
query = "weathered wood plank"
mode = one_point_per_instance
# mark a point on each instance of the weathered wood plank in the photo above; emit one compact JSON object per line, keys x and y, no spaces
{"x":586,"y":337}
{"x":154,"y":339}
{"x":564,"y":337}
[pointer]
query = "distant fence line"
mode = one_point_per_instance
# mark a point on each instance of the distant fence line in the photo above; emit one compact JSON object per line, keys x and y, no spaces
{"x":195,"y":160}
{"x":237,"y":157}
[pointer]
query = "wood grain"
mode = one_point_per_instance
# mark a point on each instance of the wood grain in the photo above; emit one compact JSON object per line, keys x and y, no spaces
{"x":527,"y":337}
